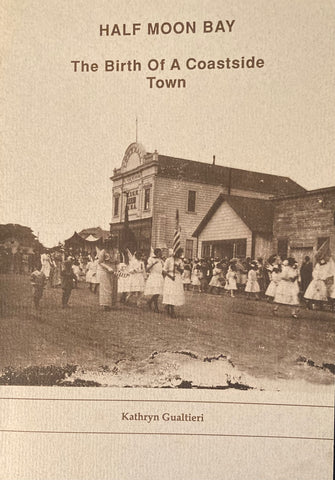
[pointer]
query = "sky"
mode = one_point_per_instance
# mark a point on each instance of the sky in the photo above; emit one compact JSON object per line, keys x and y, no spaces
{"x":63,"y":132}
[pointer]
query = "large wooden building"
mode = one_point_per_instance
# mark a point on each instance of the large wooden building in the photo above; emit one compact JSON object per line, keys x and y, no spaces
{"x":304,"y":224}
{"x":223,"y":211}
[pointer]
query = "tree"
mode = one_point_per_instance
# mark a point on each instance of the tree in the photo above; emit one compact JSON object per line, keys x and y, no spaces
{"x":24,"y":235}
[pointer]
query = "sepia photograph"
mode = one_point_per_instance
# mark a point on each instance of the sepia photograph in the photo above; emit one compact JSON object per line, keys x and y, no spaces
{"x":167,"y":217}
{"x":206,"y":274}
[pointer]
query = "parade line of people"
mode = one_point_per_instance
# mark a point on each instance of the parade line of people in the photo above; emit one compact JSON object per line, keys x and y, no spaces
{"x":130,"y":277}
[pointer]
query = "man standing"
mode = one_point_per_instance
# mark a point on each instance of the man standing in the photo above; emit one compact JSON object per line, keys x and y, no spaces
{"x":306,"y":274}
{"x":67,"y":279}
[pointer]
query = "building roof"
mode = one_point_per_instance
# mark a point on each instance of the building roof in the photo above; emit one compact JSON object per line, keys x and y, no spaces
{"x":219,"y":175}
{"x":256,"y":213}
{"x":75,"y":239}
{"x":308,"y":193}
{"x":91,"y":238}
{"x":95,"y":234}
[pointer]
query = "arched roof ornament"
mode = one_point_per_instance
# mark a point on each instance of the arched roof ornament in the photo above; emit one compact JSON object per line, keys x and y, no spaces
{"x":133,"y":157}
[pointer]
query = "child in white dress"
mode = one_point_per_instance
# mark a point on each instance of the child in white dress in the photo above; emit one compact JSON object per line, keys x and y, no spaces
{"x":38,"y":281}
{"x":287,"y":290}
{"x":186,"y":276}
{"x":275,"y":278}
{"x":216,"y":282}
{"x":252,"y":287}
{"x":123,"y":283}
{"x":173,"y":289}
{"x":91,"y":274}
{"x":137,"y":277}
{"x":231,"y":277}
{"x":196,"y":275}
{"x":316,"y":292}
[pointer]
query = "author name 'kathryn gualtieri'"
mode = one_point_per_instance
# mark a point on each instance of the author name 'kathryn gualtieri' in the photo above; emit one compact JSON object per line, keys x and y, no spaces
{"x":166,"y":417}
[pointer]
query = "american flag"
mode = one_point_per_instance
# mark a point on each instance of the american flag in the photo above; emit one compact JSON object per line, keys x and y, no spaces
{"x":120,"y":274}
{"x":176,"y":237}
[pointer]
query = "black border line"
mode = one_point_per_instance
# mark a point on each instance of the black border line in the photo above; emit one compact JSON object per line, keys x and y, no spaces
{"x":47,"y":399}
{"x":282,"y":437}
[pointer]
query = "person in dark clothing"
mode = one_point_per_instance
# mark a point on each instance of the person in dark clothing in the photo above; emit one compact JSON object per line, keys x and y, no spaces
{"x":67,"y":280}
{"x":36,"y":261}
{"x":261,"y":278}
{"x":17,"y":262}
{"x":204,"y":276}
{"x":306,"y":271}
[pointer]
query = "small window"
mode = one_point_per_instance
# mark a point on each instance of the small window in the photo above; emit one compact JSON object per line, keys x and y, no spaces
{"x":116,"y":205}
{"x":189,"y":249}
{"x":191,"y":201}
{"x":146,"y":198}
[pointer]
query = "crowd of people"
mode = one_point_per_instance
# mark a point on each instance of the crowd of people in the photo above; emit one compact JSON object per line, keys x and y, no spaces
{"x":112,"y":274}
{"x":131,"y":277}
{"x":19,"y":261}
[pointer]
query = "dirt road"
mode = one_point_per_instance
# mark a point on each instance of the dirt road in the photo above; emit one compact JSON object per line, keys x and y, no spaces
{"x":257,"y":343}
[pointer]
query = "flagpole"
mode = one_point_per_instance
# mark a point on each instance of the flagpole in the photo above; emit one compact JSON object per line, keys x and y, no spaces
{"x":176,"y":237}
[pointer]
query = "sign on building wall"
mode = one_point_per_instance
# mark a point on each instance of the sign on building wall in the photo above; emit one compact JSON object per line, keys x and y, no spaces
{"x":132,"y":199}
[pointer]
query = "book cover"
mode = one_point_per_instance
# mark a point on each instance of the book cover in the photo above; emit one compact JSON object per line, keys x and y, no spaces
{"x":167,"y":239}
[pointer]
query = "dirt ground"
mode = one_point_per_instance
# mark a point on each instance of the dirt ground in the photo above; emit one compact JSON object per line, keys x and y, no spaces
{"x":258,"y":343}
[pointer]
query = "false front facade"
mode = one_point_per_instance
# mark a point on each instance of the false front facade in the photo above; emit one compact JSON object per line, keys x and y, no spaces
{"x":149,"y":188}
